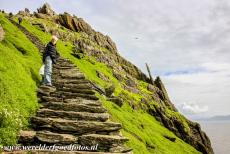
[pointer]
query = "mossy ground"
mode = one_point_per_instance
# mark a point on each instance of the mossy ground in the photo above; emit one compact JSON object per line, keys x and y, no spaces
{"x":19,"y":65}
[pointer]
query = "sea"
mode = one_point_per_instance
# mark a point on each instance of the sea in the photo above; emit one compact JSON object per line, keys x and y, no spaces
{"x":219,"y":134}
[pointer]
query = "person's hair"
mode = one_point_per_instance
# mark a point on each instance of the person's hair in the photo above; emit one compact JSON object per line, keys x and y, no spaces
{"x":54,"y":39}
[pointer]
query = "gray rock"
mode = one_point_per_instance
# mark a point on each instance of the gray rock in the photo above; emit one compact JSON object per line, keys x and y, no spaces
{"x":71,"y":126}
{"x":71,"y":115}
{"x":46,"y":9}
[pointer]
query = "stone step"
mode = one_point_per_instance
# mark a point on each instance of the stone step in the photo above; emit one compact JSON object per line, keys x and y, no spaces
{"x":83,"y":101}
{"x":74,"y":127}
{"x":62,"y":82}
{"x":65,"y":90}
{"x":76,"y":86}
{"x":71,"y":115}
{"x":74,"y":107}
{"x":69,"y":95}
{"x":105,"y":142}
{"x":58,"y":67}
{"x":51,"y":99}
{"x":45,"y":90}
{"x":45,"y":137}
{"x":75,"y":75}
{"x":55,"y":138}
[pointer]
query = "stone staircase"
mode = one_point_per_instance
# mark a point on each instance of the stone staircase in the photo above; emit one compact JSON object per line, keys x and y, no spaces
{"x":71,"y":113}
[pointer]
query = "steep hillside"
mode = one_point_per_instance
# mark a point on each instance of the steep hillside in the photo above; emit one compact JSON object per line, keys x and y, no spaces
{"x":149,"y":119}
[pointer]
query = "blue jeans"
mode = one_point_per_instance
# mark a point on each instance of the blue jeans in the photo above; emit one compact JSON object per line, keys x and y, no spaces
{"x":47,"y":71}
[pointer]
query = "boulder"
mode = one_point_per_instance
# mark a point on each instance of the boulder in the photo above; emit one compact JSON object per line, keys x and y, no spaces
{"x":66,"y":20}
{"x":2,"y":33}
{"x":116,"y":100}
{"x":81,"y":26}
{"x":46,"y":9}
{"x":109,"y":90}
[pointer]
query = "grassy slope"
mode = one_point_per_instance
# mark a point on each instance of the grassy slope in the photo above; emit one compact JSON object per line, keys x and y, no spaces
{"x":18,"y":78}
{"x":145,"y":133}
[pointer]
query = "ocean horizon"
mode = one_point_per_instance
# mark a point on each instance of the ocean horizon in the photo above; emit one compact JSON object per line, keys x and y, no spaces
{"x":219,"y":134}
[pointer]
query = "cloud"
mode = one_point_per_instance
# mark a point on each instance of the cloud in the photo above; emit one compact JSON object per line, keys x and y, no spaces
{"x":192,"y":108}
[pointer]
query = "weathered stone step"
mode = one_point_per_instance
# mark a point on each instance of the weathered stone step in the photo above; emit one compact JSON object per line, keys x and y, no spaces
{"x":76,"y":86}
{"x":71,"y":115}
{"x":62,"y":82}
{"x":80,"y":91}
{"x":71,"y":126}
{"x":76,"y":75}
{"x":83,"y":101}
{"x":69,"y":95}
{"x":45,"y":137}
{"x":105,"y":142}
{"x":57,"y":67}
{"x":51,"y":99}
{"x":74,"y":107}
{"x":45,"y":90}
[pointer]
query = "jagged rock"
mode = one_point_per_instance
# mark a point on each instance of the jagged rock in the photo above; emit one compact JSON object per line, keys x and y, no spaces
{"x":102,"y":76}
{"x":71,"y":115}
{"x":131,"y":82}
{"x":2,"y":33}
{"x":27,"y":10}
{"x":77,"y":107}
{"x":66,"y":20}
{"x":116,"y":100}
{"x":26,"y":137}
{"x":71,"y":126}
{"x":173,"y":139}
{"x":131,"y":89}
{"x":81,"y":26}
{"x":46,"y":9}
{"x":194,"y":136}
{"x":118,"y":76}
{"x":164,"y":94}
{"x":110,"y":90}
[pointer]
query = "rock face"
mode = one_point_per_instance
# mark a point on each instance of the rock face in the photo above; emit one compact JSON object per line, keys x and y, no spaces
{"x":163,"y":94}
{"x":46,"y":9}
{"x":191,"y":134}
{"x":72,"y":114}
{"x":2,"y":33}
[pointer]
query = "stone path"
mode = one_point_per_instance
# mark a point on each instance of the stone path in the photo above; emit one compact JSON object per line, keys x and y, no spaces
{"x":71,"y":113}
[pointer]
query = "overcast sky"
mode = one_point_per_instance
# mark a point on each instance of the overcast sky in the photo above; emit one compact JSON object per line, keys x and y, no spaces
{"x":186,"y":42}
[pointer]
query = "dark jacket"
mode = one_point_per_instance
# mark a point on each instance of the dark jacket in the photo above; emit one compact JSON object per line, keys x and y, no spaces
{"x":51,"y":51}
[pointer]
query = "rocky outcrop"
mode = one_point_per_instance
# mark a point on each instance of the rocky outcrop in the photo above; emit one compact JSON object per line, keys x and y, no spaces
{"x":191,"y":133}
{"x":163,"y":95}
{"x":72,"y":114}
{"x":46,"y":9}
{"x":2,"y":33}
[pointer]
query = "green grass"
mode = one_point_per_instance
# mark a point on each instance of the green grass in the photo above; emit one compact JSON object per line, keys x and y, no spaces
{"x":145,"y":133}
{"x":19,"y":65}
